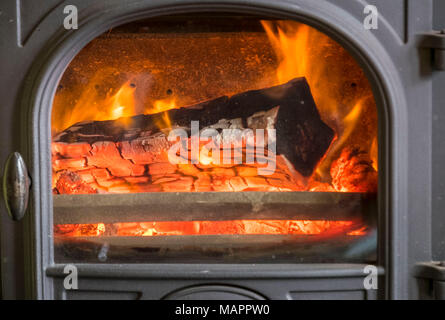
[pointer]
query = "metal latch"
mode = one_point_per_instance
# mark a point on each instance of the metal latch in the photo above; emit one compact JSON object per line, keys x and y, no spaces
{"x":16,"y":184}
{"x":435,"y":41}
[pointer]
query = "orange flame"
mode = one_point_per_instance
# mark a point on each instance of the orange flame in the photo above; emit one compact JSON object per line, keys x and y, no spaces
{"x":299,"y":49}
{"x":374,"y":154}
{"x":90,"y":106}
{"x":120,"y":105}
{"x":301,"y":52}
{"x":162,"y":106}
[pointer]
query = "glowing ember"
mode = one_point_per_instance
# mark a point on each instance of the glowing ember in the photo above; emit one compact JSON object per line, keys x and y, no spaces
{"x":241,"y":227}
{"x":354,"y":172}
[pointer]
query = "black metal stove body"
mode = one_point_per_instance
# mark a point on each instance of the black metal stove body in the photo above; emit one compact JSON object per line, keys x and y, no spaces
{"x":398,"y":62}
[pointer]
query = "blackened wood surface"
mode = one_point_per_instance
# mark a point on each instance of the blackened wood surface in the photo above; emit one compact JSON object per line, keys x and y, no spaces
{"x":302,"y":137}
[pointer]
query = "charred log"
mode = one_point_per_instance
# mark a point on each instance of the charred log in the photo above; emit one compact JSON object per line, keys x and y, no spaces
{"x":301,"y":136}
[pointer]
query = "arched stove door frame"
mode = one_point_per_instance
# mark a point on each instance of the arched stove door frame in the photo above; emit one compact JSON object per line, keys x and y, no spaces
{"x":340,"y":25}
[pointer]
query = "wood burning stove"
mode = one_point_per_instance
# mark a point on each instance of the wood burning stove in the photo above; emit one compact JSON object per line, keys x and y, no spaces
{"x":239,"y":151}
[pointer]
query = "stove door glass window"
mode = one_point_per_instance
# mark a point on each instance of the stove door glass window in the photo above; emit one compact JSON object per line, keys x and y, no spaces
{"x":217,"y":139}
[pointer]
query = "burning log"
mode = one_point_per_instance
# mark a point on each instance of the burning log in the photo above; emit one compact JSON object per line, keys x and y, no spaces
{"x":353,"y":171}
{"x":301,"y":135}
{"x":71,"y":183}
{"x":137,"y":146}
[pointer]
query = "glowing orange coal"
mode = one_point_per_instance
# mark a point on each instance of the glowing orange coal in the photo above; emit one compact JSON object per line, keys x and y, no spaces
{"x":244,"y":227}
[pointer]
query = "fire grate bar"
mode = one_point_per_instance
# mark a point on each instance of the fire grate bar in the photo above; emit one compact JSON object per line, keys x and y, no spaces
{"x":211,"y":206}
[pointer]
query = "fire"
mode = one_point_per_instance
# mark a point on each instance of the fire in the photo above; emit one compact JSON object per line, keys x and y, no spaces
{"x":349,"y":124}
{"x":374,"y":154}
{"x":93,"y":106}
{"x":162,"y":106}
{"x":123,"y":103}
{"x":245,"y":227}
{"x":346,"y":106}
{"x":302,"y":52}
{"x":120,"y":104}
{"x":291,"y":48}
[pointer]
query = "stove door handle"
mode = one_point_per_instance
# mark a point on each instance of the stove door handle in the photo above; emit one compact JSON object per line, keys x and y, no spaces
{"x":16,"y":184}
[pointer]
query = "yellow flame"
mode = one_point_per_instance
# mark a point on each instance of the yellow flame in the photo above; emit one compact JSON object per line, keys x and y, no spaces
{"x":122,"y":103}
{"x":291,"y":50}
{"x":301,"y":51}
{"x":163,"y":106}
{"x":374,"y":154}
{"x":349,"y":123}
{"x":118,"y":112}
{"x":90,"y":106}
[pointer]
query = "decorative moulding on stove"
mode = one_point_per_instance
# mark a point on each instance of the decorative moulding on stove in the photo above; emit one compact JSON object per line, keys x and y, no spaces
{"x":30,"y":14}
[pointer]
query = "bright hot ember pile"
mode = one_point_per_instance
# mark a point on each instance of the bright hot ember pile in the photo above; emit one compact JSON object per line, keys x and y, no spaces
{"x":299,"y":116}
{"x":162,"y":228}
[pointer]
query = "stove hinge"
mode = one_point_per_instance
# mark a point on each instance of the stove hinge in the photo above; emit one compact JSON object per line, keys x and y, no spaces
{"x":435,"y":41}
{"x":431,"y":280}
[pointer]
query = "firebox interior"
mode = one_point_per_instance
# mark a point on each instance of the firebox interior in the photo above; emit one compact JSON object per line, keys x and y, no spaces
{"x":222,"y":138}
